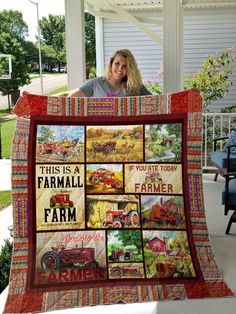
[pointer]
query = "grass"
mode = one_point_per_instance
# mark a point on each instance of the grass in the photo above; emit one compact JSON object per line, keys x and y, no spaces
{"x":5,"y":199}
{"x":7,"y":130}
{"x":56,"y":91}
{"x":4,"y":112}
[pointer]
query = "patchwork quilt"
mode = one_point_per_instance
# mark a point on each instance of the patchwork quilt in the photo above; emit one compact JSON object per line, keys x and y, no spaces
{"x":108,"y":203}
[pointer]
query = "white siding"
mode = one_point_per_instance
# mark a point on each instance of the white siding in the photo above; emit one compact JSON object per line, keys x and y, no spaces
{"x":124,"y":35}
{"x":206,"y":31}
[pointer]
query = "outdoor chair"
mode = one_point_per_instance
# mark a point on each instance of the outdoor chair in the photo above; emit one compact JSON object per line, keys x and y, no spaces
{"x":229,"y":198}
{"x":223,"y":160}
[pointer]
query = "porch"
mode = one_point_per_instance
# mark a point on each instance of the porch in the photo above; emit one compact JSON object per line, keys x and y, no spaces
{"x":224,"y":250}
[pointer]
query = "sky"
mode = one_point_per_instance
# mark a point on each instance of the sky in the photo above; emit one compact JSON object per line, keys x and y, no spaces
{"x":29,"y":11}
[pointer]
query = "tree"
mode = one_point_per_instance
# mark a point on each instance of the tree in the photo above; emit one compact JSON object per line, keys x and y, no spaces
{"x":53,"y":33}
{"x":46,"y":134}
{"x":31,"y":53}
{"x":130,"y":237}
{"x":90,"y":46}
{"x":12,"y":22}
{"x":19,"y":76}
{"x":12,"y":33}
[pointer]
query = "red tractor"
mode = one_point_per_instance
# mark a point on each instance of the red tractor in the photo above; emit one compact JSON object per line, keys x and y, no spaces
{"x":105,"y":176}
{"x":162,"y":215}
{"x":122,"y":271}
{"x":60,"y":257}
{"x":119,"y":218}
{"x":121,"y":255}
{"x":99,"y":175}
{"x":166,"y":269}
{"x":106,"y":148}
{"x":61,"y":201}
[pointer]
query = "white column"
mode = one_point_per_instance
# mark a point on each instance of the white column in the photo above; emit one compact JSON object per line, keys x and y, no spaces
{"x":99,"y":46}
{"x":173,"y":45}
{"x":75,"y":43}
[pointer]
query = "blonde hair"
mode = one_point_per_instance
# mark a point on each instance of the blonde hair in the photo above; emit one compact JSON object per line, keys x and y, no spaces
{"x":132,"y":83}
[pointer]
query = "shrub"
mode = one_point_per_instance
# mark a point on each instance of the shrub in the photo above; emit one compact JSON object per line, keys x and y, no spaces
{"x":213,"y":81}
{"x":153,"y":86}
{"x":5,"y":264}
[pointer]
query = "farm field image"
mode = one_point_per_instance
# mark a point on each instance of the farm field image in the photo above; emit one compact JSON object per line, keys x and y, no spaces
{"x":124,"y":246}
{"x":167,"y":254}
{"x":104,"y":178}
{"x":114,"y":143}
{"x":59,"y":143}
{"x":163,"y":142}
{"x":163,"y":212}
{"x":112,"y":211}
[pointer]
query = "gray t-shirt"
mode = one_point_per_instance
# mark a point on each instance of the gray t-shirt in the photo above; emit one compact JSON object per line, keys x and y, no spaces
{"x":99,"y":87}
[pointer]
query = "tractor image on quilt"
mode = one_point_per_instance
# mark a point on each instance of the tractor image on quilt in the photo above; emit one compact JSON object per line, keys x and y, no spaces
{"x":119,"y":218}
{"x":121,"y":255}
{"x":61,"y":200}
{"x":123,"y":271}
{"x":105,"y":176}
{"x":152,"y":177}
{"x":61,"y":257}
{"x":105,"y":148}
{"x":162,"y":215}
{"x":166,"y":269}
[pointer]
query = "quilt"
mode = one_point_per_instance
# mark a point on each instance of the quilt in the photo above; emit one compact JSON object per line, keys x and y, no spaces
{"x":108,"y":203}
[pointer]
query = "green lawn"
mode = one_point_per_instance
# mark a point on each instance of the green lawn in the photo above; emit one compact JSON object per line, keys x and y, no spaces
{"x":5,"y":199}
{"x":4,"y":112}
{"x":56,"y":91}
{"x":7,"y":130}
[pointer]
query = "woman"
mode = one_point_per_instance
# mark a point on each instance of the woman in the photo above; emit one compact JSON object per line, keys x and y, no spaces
{"x":122,"y":78}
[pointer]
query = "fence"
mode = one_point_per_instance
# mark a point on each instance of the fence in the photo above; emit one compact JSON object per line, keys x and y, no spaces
{"x":215,"y":125}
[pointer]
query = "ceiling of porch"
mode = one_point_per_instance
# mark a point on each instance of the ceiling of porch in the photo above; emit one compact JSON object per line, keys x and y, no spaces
{"x":150,"y":5}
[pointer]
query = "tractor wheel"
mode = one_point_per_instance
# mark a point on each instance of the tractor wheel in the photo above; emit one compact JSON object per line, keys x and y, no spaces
{"x":118,"y":184}
{"x":103,"y":224}
{"x":117,"y":272}
{"x":177,"y":221}
{"x":53,"y":201}
{"x":71,"y":204}
{"x":131,"y":256}
{"x":121,"y":257}
{"x":133,"y":218}
{"x":159,"y":180}
{"x":91,"y":265}
{"x":107,"y":150}
{"x":95,"y":180}
{"x":50,"y":260}
{"x":117,"y":224}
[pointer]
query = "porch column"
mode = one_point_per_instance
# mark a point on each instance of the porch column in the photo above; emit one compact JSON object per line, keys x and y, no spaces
{"x":173,"y":45}
{"x":75,"y":43}
{"x":99,"y":46}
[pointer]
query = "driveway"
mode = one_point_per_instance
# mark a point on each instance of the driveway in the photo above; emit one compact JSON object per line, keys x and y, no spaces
{"x":50,"y":83}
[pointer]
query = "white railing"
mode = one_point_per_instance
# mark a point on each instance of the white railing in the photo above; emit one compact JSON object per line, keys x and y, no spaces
{"x":215,"y":125}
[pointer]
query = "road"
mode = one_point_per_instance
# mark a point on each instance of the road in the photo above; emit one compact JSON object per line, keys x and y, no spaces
{"x":50,"y":82}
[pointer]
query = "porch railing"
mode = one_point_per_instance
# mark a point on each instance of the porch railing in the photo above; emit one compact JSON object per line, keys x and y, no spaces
{"x":215,"y":125}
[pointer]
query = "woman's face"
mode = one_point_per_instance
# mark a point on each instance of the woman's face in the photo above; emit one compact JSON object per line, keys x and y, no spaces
{"x":119,"y":68}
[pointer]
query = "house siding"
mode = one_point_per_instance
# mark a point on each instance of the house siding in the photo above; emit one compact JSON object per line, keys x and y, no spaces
{"x":206,"y":31}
